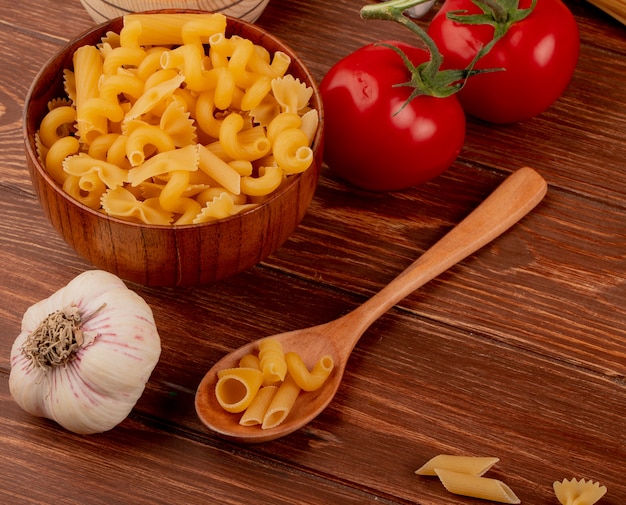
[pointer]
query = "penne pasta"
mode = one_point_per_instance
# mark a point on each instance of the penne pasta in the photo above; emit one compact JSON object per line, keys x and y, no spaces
{"x":476,"y":487}
{"x":219,"y":170}
{"x":255,"y":412}
{"x":281,"y":404}
{"x":470,"y":465}
{"x":87,"y":71}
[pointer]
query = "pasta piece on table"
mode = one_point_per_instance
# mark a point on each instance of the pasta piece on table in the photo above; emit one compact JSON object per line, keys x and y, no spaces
{"x":582,"y":492}
{"x":471,"y":465}
{"x":476,"y":487}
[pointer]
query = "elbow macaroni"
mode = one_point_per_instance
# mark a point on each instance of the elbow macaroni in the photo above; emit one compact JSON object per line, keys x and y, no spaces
{"x":305,"y":379}
{"x":152,"y":102}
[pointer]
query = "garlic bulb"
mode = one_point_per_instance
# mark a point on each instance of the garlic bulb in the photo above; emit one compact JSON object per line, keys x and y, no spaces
{"x":84,"y":354}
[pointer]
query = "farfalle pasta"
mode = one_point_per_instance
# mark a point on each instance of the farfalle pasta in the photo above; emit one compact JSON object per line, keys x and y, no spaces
{"x":578,"y":492}
{"x":172,"y":122}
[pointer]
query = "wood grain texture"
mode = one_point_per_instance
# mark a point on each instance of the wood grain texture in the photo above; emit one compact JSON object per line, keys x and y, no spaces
{"x":518,"y":352}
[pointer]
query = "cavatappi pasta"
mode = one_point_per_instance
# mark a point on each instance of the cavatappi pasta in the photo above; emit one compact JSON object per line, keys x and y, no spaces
{"x":265,"y":386}
{"x":463,"y":475}
{"x":172,"y":122}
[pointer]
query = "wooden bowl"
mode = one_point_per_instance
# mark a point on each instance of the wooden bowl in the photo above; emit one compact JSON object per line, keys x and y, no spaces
{"x":103,"y":10}
{"x":169,"y":255}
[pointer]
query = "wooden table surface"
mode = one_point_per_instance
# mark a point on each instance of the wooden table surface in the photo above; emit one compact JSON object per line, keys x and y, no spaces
{"x":519,"y":352}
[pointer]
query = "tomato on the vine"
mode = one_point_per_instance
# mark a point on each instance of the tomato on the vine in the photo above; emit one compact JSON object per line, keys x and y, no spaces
{"x":538,"y":54}
{"x":378,"y":139}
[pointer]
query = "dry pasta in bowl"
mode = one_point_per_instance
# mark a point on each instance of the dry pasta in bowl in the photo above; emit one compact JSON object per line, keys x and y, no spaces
{"x":171,"y":121}
{"x":185,"y":146}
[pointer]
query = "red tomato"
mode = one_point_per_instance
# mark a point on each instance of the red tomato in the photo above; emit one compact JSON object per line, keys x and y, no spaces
{"x":539,"y":55}
{"x":370,"y":139}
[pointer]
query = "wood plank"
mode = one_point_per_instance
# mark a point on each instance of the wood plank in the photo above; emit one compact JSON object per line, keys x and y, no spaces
{"x":413,"y":389}
{"x":518,"y":352}
{"x":535,"y":295}
{"x":140,"y":463}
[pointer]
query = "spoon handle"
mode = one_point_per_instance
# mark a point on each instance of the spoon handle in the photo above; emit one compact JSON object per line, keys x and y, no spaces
{"x":509,"y":202}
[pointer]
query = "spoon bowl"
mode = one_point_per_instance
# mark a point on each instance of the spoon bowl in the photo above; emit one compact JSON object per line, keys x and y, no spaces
{"x":511,"y":201}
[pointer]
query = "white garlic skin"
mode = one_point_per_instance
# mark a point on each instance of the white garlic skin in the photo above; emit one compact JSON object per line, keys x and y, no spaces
{"x":98,"y":389}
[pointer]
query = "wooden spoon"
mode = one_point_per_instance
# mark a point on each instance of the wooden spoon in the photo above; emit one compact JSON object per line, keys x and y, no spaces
{"x":511,"y":201}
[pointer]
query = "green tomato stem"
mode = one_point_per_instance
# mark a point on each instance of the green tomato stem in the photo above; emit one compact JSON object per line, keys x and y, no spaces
{"x":500,"y":14}
{"x":426,"y":78}
{"x":393,"y":10}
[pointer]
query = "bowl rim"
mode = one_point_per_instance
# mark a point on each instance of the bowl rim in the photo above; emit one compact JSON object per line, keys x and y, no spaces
{"x":29,"y":137}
